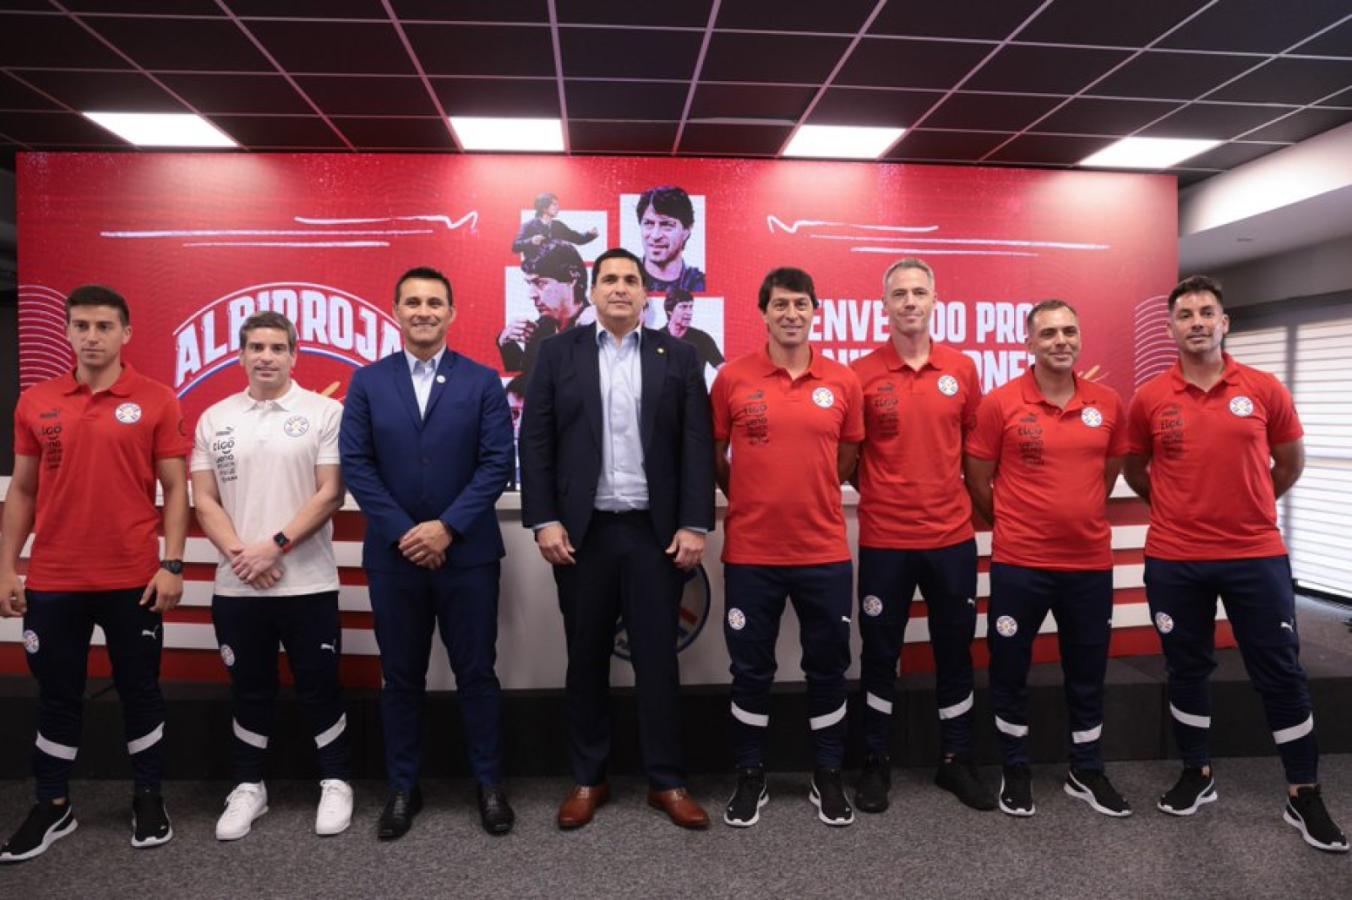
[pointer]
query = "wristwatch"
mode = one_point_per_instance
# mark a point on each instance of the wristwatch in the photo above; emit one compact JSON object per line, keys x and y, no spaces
{"x":172,"y":566}
{"x":282,"y":541}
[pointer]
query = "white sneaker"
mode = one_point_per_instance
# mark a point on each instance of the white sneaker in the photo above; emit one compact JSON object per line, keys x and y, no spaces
{"x":335,"y":807}
{"x":246,"y":802}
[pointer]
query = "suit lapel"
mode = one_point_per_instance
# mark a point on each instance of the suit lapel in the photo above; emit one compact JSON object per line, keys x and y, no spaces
{"x":403,"y":386}
{"x":653,"y":362}
{"x":587,"y":365}
{"x":440,"y":383}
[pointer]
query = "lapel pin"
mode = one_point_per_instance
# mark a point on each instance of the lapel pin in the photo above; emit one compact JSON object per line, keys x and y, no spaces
{"x":441,"y":379}
{"x":661,"y":350}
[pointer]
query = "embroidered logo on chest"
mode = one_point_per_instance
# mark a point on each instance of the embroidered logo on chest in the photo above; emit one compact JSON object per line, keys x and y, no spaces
{"x":948,"y":385}
{"x":1091,"y":417}
{"x":128,"y":413}
{"x":296,"y":426}
{"x":824,"y":398}
{"x":1241,"y":406}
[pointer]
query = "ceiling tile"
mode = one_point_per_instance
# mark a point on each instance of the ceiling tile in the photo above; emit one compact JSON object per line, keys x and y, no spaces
{"x":738,"y":101}
{"x":625,"y":99}
{"x":43,"y":40}
{"x":1235,"y":153}
{"x":853,"y":106}
{"x":838,"y":16}
{"x":105,"y":91}
{"x":166,"y":7}
{"x":1114,"y":117}
{"x":1172,"y":76}
{"x":1290,"y":81}
{"x":1049,"y":70}
{"x":954,"y":18}
{"x":42,"y":129}
{"x":237,"y":93}
{"x":14,"y":95}
{"x":194,"y":44}
{"x":621,"y":137}
{"x":688,"y":13}
{"x":914,"y":64}
{"x":955,"y":145}
{"x":1049,"y":150}
{"x":989,"y":112}
{"x":627,"y":53}
{"x":1300,"y":125}
{"x":1188,"y":177}
{"x":1132,"y":24}
{"x":1334,"y":42}
{"x":497,"y":97}
{"x":744,"y":140}
{"x":473,"y":10}
{"x":1257,"y":26}
{"x":368,"y":96}
{"x":373,"y":134}
{"x":482,"y":49}
{"x":1218,"y":121}
{"x":1342,"y":99}
{"x":310,"y":9}
{"x":771,"y":57}
{"x":279,"y":131}
{"x":334,"y":46}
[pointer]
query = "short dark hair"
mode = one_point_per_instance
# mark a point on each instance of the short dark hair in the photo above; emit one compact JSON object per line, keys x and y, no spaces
{"x":1047,"y":306}
{"x":268,"y":319}
{"x":98,"y":295}
{"x":675,"y":297}
{"x":428,"y":273}
{"x":615,"y":253}
{"x":561,"y":261}
{"x":667,"y":200}
{"x":544,"y":201}
{"x":1196,"y":284}
{"x":789,"y":279}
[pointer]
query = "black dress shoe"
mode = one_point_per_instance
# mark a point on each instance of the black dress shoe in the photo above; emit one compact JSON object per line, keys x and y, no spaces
{"x":494,"y":810}
{"x":398,"y":814}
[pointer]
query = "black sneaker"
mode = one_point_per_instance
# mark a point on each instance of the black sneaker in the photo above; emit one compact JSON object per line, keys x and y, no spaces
{"x":870,"y":793}
{"x":46,"y":824}
{"x":744,"y":808}
{"x":958,"y":776}
{"x":828,"y":795}
{"x":1193,"y":791}
{"x":1306,"y":812}
{"x":149,"y":822}
{"x":1095,"y":789}
{"x":1016,"y":791}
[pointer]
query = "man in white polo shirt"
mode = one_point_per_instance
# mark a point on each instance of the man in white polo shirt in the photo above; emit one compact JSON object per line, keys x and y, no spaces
{"x":266,"y":484}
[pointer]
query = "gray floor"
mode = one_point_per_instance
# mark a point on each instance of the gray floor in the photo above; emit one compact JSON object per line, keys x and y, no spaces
{"x":926,"y":845}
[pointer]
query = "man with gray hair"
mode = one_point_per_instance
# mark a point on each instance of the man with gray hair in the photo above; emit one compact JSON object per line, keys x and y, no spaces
{"x":915,"y":530}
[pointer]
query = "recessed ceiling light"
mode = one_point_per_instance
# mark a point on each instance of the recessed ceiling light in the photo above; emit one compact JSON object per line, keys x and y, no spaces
{"x":842,"y":141}
{"x":163,"y":129}
{"x":1147,"y":153}
{"x":489,"y":133}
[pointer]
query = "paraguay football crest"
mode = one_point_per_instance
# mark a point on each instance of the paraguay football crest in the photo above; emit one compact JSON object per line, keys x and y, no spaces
{"x":227,"y":656}
{"x":872,"y":606}
{"x":130,"y":413}
{"x":1006,"y":626}
{"x":31,"y":642}
{"x":696,"y":599}
{"x":1241,"y":406}
{"x":1091,"y":417}
{"x":823,"y":397}
{"x":948,"y":385}
{"x":1164,"y":622}
{"x":296,"y":426}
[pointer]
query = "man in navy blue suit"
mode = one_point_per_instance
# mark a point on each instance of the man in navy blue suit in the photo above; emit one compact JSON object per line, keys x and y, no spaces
{"x":426,"y":445}
{"x":618,"y":485}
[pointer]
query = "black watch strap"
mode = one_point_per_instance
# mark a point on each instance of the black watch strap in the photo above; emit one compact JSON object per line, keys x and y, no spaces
{"x":281,"y":540}
{"x":172,"y":566}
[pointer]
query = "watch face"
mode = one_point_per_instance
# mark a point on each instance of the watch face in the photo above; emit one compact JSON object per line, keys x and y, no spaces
{"x":172,"y":566}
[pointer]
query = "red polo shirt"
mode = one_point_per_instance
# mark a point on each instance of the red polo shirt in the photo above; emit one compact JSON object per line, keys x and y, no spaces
{"x":1051,"y":504}
{"x":910,"y":467}
{"x":785,"y":507}
{"x":97,"y":522}
{"x":1210,"y":456}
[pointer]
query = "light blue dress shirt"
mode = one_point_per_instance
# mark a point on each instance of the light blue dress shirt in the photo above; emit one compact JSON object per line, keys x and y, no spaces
{"x":424,"y":373}
{"x":623,"y":485}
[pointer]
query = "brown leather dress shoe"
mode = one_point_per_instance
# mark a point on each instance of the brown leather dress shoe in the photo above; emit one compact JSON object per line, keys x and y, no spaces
{"x":580,"y":805}
{"x":683,"y":809}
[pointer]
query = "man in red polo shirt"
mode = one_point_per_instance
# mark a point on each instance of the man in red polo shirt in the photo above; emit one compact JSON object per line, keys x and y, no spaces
{"x":1213,"y":444}
{"x":915,"y":529}
{"x":89,"y":447}
{"x":793,"y":420}
{"x":1053,"y":445}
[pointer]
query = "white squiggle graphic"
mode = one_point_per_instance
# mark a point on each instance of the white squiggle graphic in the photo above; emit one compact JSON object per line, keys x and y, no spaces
{"x":472,"y":217}
{"x":772,"y":221}
{"x":328,"y":244}
{"x":932,"y":252}
{"x":258,"y":232}
{"x":321,"y":233}
{"x":1053,"y":245}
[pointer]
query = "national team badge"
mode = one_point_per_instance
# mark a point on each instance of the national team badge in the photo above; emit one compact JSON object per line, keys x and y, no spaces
{"x":824,"y":398}
{"x":1006,"y":626}
{"x":227,"y":655}
{"x":1091,"y":417}
{"x":130,"y":413}
{"x":1164,"y":622}
{"x":948,"y":385}
{"x":31,"y":642}
{"x":736,"y":619}
{"x":1241,"y":406}
{"x":873,"y":606}
{"x":296,"y":426}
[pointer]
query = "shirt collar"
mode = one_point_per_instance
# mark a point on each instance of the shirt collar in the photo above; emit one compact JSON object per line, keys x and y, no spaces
{"x":892,"y":359}
{"x":771,"y":367}
{"x":414,"y":362}
{"x":287,"y":401}
{"x":1032,"y":393}
{"x":1229,"y":375}
{"x":634,"y":337}
{"x":119,"y":388}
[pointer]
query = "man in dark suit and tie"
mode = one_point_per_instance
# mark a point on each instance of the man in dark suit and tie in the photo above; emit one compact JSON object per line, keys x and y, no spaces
{"x":426,"y":445}
{"x":617,"y":479}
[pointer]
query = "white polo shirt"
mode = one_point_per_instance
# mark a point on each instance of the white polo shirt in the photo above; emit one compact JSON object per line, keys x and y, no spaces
{"x":263,"y":454}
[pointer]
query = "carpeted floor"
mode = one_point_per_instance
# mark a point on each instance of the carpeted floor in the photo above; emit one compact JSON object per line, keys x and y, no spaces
{"x":926,"y":845}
